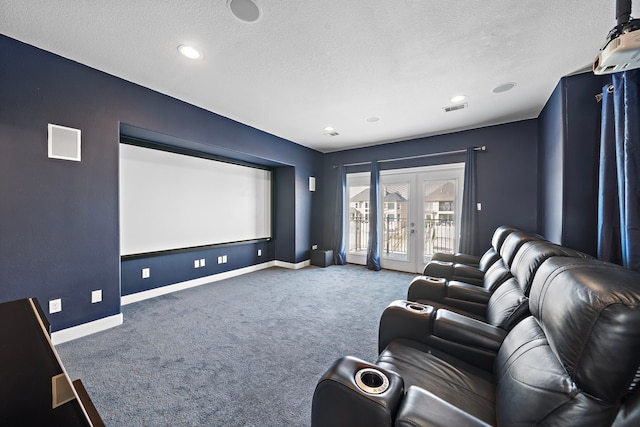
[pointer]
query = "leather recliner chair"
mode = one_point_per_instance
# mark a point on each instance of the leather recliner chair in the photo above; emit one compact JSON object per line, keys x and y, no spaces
{"x":471,"y":300}
{"x":511,"y":242}
{"x":473,"y":262}
{"x":573,"y":362}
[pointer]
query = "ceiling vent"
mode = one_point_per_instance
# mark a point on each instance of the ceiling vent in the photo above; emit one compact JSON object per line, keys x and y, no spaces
{"x":455,"y":107}
{"x":332,"y":133}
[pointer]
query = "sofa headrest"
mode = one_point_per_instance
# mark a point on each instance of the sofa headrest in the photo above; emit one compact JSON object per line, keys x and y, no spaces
{"x":589,"y":311}
{"x":499,"y":235}
{"x":513,"y":242}
{"x":532,"y":254}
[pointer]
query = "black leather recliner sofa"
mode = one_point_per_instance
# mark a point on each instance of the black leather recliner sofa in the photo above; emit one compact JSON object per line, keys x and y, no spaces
{"x":483,"y":262}
{"x":510,"y":242}
{"x":573,"y":362}
{"x":471,"y":300}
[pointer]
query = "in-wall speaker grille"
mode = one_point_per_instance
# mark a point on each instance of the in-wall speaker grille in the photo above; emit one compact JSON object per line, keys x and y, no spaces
{"x":64,"y":143}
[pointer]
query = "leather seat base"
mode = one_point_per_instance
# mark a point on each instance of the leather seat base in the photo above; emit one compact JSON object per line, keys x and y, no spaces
{"x":459,"y":383}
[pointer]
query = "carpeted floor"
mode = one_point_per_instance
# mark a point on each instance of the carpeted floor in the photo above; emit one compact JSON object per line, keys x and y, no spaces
{"x":245,"y":351}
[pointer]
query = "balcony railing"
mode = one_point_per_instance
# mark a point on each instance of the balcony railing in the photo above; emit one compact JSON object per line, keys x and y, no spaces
{"x":439,"y":236}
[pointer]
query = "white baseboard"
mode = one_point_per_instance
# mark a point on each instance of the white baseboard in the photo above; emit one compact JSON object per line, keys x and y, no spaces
{"x":85,"y":329}
{"x":89,"y":328}
{"x":292,"y":266}
{"x":152,"y":293}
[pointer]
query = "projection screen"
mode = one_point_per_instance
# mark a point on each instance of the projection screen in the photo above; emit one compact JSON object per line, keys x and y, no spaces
{"x":172,"y":201}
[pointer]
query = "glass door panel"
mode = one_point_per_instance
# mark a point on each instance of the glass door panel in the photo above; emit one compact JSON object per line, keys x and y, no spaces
{"x":395,"y":221}
{"x":357,"y":217}
{"x":440,"y":213}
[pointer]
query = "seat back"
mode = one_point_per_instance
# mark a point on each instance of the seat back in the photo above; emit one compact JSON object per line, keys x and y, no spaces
{"x":508,"y":305}
{"x":512,"y":243}
{"x":573,"y":361}
{"x":499,"y":235}
{"x":488,"y":259}
{"x":532,"y":254}
{"x":495,"y":276}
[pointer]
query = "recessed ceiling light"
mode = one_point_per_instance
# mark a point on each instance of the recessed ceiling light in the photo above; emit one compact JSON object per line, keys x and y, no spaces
{"x":373,"y":119}
{"x":458,"y":98}
{"x":504,"y":87}
{"x":244,"y":10}
{"x":189,"y":51}
{"x":329,"y":129}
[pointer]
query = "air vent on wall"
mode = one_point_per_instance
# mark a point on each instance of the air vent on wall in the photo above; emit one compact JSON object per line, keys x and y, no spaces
{"x":455,"y":107}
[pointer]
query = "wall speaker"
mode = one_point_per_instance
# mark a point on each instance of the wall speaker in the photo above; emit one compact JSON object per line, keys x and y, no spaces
{"x":64,"y":143}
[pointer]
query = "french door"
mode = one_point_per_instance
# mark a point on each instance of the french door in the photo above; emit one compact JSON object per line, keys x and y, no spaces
{"x":420,"y":215}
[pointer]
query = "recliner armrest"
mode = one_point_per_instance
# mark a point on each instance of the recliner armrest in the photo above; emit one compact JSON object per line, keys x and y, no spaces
{"x":339,"y":399}
{"x":405,"y":319}
{"x":468,"y":274}
{"x":423,"y":408}
{"x":442,"y":269}
{"x":467,"y":292}
{"x":457,"y":258}
{"x":426,"y":288}
{"x":464,"y":330}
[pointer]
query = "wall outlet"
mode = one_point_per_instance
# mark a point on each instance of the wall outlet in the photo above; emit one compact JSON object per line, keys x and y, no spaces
{"x":55,"y":305}
{"x":196,"y":263}
{"x":96,"y":296}
{"x":259,"y":252}
{"x":314,"y":247}
{"x":202,"y":262}
{"x":146,"y":273}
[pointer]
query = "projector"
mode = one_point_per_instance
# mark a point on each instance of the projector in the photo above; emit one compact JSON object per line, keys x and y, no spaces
{"x":619,"y":54}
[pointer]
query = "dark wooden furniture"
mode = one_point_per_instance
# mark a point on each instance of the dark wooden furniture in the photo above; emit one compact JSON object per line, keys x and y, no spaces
{"x":34,"y":386}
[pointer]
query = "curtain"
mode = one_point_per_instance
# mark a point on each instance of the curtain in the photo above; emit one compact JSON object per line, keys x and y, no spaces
{"x":373,"y":248}
{"x":339,"y":246}
{"x":619,"y":184}
{"x":469,"y":215}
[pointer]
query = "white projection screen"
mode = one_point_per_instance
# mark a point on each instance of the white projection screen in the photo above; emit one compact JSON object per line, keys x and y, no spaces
{"x":172,"y":201}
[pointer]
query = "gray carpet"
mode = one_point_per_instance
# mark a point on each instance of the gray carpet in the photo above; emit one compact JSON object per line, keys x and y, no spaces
{"x":245,"y":351}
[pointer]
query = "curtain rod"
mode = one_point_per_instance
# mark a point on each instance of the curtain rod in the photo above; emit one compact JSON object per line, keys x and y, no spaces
{"x":442,"y":153}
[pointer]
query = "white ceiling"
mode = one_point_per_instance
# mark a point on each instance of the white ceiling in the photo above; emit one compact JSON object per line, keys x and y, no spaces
{"x":305,"y":65}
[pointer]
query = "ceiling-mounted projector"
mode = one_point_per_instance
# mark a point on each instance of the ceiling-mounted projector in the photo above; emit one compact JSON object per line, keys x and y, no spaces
{"x":622,"y":50}
{"x":619,"y":54}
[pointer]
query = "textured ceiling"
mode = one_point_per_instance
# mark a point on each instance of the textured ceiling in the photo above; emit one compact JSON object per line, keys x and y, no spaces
{"x":305,"y":65}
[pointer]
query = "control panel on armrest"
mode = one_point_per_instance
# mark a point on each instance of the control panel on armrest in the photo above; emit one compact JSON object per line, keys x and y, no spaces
{"x":464,"y":330}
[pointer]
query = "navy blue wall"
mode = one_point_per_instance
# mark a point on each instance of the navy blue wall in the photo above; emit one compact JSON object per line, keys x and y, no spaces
{"x":568,"y":163}
{"x":507,"y":172}
{"x":550,"y":165}
{"x":59,"y":233}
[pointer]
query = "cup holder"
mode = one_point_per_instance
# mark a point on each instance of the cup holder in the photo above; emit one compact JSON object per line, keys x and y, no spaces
{"x":435,"y":279}
{"x":372,"y":381}
{"x":416,"y":307}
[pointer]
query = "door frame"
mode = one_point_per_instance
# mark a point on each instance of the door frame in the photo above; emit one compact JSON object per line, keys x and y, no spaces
{"x":416,"y":176}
